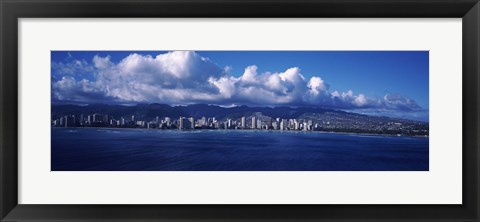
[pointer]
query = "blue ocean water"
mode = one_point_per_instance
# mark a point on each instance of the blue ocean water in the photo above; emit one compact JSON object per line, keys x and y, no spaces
{"x":103,"y":149}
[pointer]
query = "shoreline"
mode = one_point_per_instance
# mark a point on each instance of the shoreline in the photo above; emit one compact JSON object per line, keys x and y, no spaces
{"x":250,"y":130}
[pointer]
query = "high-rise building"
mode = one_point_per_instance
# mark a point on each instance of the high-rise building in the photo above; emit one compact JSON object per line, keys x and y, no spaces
{"x":291,"y":123}
{"x":97,"y":118}
{"x":254,"y":122}
{"x":259,"y":124}
{"x":275,"y":125}
{"x":69,"y":121}
{"x":114,"y":122}
{"x":283,"y":124}
{"x":184,"y":123}
{"x":140,"y":123}
{"x":243,"y":122}
{"x":192,"y":123}
{"x":168,"y":120}
{"x":309,"y":125}
{"x":180,"y":124}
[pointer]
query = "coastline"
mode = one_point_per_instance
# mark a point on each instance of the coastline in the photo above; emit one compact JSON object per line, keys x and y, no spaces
{"x":249,"y":130}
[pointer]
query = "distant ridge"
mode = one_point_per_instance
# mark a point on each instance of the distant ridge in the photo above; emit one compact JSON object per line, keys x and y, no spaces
{"x":148,"y":111}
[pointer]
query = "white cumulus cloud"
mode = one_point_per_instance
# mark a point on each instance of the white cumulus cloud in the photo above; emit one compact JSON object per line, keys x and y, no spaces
{"x":185,"y":77}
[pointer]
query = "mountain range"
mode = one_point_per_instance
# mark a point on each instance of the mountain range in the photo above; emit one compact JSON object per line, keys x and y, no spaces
{"x":150,"y":111}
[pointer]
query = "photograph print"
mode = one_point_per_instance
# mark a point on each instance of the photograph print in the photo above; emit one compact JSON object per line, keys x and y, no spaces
{"x":239,"y":110}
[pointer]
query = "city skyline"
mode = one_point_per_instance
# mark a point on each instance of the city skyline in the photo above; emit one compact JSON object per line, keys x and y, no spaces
{"x":233,"y":119}
{"x":256,"y":121}
{"x":390,"y":83}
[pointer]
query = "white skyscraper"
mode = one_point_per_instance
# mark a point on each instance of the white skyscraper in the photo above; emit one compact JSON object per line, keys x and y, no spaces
{"x":180,"y":122}
{"x":168,"y":120}
{"x":283,"y":124}
{"x":192,"y":122}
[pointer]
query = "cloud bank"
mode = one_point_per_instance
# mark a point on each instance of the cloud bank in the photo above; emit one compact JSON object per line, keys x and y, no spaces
{"x":185,"y":77}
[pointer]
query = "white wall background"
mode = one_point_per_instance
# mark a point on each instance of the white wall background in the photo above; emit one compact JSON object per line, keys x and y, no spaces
{"x":441,"y":185}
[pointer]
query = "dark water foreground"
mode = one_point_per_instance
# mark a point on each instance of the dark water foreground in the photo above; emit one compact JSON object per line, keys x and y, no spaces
{"x":97,"y":149}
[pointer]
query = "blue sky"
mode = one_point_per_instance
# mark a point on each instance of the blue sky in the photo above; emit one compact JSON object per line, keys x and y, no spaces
{"x":392,"y":83}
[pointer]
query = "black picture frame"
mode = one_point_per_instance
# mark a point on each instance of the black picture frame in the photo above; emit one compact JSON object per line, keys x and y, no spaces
{"x":11,"y":11}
